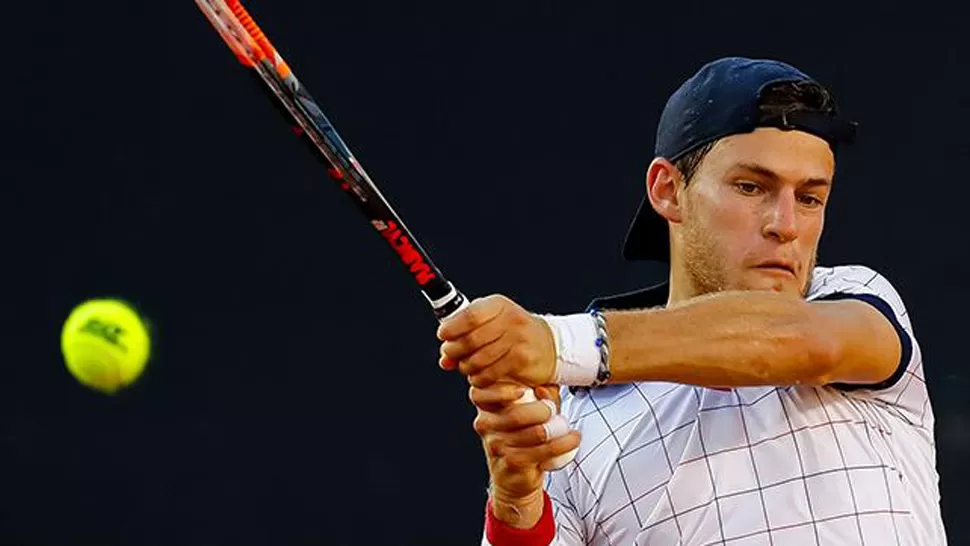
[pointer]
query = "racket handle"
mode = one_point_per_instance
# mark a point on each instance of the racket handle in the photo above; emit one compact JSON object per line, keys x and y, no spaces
{"x":454,"y":303}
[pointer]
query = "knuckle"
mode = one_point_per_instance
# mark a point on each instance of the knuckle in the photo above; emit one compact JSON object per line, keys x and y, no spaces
{"x":519,"y":317}
{"x":480,"y":425}
{"x":522,"y":420}
{"x":472,"y":339}
{"x":487,"y":357}
{"x":538,"y":434}
{"x":490,"y":354}
{"x":520,"y":352}
{"x":550,"y":450}
{"x":508,"y":422}
{"x":451,"y":349}
{"x":474,"y":395}
{"x":513,"y":419}
{"x":481,"y":338}
{"x":481,"y":380}
{"x":516,"y":460}
{"x":562,"y":444}
{"x":513,"y":393}
{"x":522,"y":416}
{"x":471,"y":364}
{"x":474,"y":314}
{"x":494,"y":445}
{"x":548,"y":392}
{"x":485,"y":378}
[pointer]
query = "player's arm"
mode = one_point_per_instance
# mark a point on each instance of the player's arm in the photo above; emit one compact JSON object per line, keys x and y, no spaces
{"x":729,"y":339}
{"x":735,"y":339}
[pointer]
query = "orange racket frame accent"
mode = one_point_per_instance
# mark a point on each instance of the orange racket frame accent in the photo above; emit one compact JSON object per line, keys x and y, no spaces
{"x":257,"y":35}
{"x":242,"y":34}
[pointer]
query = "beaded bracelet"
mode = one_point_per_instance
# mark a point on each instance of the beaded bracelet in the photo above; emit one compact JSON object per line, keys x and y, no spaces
{"x":603,"y":374}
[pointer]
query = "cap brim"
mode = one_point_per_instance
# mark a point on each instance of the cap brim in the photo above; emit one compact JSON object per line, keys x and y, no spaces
{"x":647,"y":238}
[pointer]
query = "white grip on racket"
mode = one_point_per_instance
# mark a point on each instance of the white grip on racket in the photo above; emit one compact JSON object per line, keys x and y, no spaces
{"x":555,"y":427}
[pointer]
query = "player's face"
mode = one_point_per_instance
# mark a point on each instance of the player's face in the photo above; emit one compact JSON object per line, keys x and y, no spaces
{"x":754,"y":211}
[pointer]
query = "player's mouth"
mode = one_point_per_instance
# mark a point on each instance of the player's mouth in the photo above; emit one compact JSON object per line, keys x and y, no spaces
{"x":777,"y":267}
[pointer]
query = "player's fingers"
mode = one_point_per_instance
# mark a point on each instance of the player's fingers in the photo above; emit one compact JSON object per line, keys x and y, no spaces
{"x":484,"y":357}
{"x":536,"y":435}
{"x":460,"y":347}
{"x":548,"y":392}
{"x":482,"y":380}
{"x":514,"y":417}
{"x":493,"y":445}
{"x":474,"y":316}
{"x":446,"y":363}
{"x":560,"y":446}
{"x":542,"y":455}
{"x":496,"y":396}
{"x":489,"y":368}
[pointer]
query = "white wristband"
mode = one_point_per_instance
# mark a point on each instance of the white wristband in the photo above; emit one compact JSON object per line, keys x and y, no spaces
{"x":577,"y":355}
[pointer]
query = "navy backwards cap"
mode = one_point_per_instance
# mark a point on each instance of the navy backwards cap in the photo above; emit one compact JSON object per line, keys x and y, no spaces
{"x":721,"y":99}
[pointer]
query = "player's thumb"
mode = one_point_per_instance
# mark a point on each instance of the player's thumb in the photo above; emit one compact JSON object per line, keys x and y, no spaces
{"x":549,"y":392}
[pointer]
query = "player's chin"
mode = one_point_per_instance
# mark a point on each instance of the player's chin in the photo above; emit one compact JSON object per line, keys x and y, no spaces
{"x":772,"y":280}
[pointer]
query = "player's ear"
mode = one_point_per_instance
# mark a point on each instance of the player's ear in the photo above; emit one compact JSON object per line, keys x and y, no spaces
{"x":664,"y":186}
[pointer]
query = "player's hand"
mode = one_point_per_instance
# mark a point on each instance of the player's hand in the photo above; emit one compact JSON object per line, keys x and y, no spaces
{"x":518,"y":447}
{"x":496,"y":339}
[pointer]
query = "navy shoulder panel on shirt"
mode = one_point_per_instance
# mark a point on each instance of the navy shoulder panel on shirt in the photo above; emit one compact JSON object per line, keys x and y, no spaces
{"x":865,"y":284}
{"x":906,"y":343}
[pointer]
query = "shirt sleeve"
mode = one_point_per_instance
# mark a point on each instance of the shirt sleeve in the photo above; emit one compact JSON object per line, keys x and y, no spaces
{"x":906,"y":386}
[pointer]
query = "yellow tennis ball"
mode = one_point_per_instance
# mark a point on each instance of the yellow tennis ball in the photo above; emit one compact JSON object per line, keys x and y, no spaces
{"x":106,"y":344}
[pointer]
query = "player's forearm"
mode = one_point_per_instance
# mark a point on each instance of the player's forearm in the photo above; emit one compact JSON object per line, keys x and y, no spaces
{"x":726,"y":340}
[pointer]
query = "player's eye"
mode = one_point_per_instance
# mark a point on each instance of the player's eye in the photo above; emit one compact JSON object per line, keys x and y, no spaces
{"x":747,"y":188}
{"x":810,"y":200}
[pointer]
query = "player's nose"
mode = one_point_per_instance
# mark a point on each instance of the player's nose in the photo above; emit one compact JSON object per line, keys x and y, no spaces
{"x":781,"y":219}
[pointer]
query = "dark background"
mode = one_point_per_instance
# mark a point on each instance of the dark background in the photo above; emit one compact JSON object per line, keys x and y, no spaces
{"x":294,"y":396}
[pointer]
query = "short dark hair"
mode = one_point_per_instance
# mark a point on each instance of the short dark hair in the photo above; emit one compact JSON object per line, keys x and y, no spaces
{"x":776,"y":100}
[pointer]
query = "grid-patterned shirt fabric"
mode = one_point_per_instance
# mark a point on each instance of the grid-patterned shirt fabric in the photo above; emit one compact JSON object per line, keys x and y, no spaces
{"x":673,"y":464}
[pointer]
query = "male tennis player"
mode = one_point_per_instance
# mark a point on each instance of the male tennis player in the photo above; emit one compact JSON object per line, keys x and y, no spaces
{"x":753,"y":398}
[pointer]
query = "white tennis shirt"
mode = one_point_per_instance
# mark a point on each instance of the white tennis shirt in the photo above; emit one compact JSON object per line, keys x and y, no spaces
{"x":671,"y":464}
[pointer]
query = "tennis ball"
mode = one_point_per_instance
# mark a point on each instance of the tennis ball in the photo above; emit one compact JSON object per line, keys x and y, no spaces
{"x":106,"y":344}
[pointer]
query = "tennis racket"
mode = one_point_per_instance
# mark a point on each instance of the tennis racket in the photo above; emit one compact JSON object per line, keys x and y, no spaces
{"x":275,"y":76}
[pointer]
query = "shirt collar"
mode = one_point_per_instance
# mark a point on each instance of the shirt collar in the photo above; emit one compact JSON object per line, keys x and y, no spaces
{"x":652,"y":296}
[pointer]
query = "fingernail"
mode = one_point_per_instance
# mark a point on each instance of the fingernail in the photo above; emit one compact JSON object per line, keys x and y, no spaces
{"x":552,"y":406}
